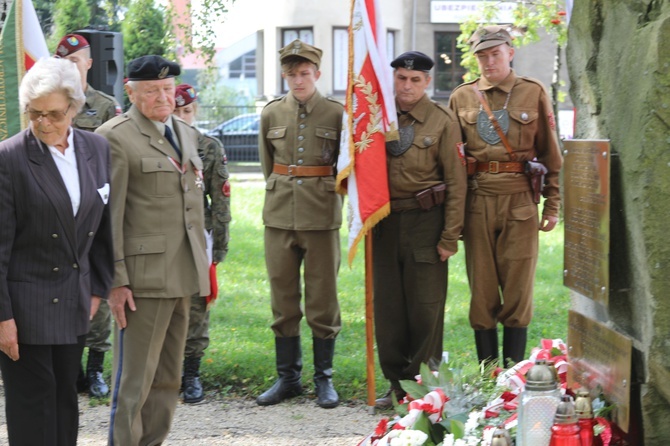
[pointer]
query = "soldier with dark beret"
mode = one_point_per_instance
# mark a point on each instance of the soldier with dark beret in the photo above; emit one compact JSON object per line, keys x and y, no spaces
{"x":299,"y":144}
{"x":501,"y":221}
{"x":159,"y":250}
{"x":217,"y":218}
{"x":427,"y":185}
{"x":98,"y":108}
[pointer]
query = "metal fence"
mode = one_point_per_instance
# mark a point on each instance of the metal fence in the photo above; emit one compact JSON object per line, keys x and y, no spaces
{"x":235,"y":126}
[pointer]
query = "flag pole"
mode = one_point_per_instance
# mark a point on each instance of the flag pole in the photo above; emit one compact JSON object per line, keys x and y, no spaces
{"x":369,"y":325}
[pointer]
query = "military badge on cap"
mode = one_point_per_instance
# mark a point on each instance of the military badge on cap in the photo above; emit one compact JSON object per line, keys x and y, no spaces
{"x":184,"y":94}
{"x":71,"y":43}
{"x":488,"y":37}
{"x":150,"y":68}
{"x":298,"y":48}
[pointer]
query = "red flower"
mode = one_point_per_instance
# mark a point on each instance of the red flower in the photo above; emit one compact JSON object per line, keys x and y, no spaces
{"x":562,"y":13}
{"x":380,"y":430}
{"x":556,"y":21}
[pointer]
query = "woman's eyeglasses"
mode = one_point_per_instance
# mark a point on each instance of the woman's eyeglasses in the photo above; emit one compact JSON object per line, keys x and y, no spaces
{"x":52,"y":116}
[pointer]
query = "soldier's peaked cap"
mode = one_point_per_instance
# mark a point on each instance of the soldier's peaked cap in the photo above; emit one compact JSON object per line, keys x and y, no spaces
{"x":151,"y":68}
{"x":298,"y":48}
{"x":488,"y":37}
{"x":413,"y":60}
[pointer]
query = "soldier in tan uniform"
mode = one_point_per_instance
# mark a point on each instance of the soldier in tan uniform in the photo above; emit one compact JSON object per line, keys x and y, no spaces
{"x":411,"y":247}
{"x":299,"y":144}
{"x":217,"y":219}
{"x":158,"y":231}
{"x":501,"y":222}
{"x":97,"y":109}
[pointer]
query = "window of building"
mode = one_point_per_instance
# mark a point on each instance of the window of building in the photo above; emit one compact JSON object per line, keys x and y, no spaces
{"x":341,"y":57}
{"x":288,"y":35}
{"x":448,"y":70}
{"x":244,"y":66}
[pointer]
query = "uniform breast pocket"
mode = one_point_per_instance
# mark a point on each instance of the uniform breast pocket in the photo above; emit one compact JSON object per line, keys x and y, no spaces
{"x":327,"y":138}
{"x":468,"y":120}
{"x":160,"y":177}
{"x":277,"y":137}
{"x":423,"y":153}
{"x":522,"y":129}
{"x":89,"y":123}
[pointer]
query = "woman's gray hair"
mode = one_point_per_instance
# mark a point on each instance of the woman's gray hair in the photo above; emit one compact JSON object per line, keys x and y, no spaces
{"x":52,"y":75}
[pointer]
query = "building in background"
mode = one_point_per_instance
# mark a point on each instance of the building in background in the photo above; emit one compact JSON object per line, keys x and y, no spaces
{"x":254,"y":31}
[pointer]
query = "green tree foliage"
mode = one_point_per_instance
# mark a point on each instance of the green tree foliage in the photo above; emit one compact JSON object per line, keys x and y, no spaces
{"x":144,"y":31}
{"x":69,"y":16}
{"x":200,"y":36}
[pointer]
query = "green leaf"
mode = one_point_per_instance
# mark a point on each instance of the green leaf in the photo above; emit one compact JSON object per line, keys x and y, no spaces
{"x":457,"y":428}
{"x":414,"y":389}
{"x":427,"y":376}
{"x":446,"y":375}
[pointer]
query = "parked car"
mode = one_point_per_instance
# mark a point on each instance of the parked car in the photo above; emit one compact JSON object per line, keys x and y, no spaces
{"x":239,"y":136}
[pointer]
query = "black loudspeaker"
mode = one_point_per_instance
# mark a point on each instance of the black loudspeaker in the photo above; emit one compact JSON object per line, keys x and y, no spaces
{"x":106,"y":73}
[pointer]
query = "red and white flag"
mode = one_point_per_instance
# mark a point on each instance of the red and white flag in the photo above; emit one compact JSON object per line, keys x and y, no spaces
{"x":21,"y":45}
{"x":369,"y":121}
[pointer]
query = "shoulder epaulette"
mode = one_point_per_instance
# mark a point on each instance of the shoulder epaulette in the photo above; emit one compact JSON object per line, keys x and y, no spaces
{"x":465,"y":83}
{"x":275,"y":100}
{"x":332,"y":99}
{"x":532,"y":80}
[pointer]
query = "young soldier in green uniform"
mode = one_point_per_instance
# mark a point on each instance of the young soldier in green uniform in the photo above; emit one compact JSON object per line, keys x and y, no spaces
{"x":501,"y":222}
{"x":299,"y":144}
{"x":411,"y":247}
{"x":97,"y":109}
{"x":217,"y":218}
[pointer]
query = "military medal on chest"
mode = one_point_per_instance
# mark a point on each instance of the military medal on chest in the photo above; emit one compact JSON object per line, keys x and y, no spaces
{"x":485,"y":127}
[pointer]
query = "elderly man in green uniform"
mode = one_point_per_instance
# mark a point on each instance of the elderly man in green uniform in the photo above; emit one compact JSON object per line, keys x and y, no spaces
{"x":299,"y":145}
{"x":158,"y":232}
{"x":411,"y":247}
{"x":501,"y":221}
{"x":98,"y":108}
{"x":217,"y":219}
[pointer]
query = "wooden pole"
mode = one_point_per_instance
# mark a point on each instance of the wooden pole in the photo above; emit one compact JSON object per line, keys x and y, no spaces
{"x":369,"y":326}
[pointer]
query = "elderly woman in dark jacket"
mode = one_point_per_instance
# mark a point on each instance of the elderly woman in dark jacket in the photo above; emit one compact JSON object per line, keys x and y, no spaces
{"x":55,"y":254}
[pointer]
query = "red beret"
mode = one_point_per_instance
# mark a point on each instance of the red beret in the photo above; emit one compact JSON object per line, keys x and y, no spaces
{"x":184,"y":95}
{"x":70,"y":44}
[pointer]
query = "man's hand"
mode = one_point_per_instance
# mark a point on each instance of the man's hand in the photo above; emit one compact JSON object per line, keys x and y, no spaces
{"x":444,"y":254}
{"x":9,"y":340}
{"x":118,"y":298}
{"x":548,"y":223}
{"x":95,"y":305}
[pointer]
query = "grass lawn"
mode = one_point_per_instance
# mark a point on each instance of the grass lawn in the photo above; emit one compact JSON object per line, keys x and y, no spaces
{"x":240,"y":359}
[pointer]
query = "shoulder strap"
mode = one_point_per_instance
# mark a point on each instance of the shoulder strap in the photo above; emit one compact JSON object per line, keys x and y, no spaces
{"x":494,"y":121}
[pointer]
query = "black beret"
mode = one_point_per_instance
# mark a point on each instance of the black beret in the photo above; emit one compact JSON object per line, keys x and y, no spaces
{"x":151,"y":68}
{"x":413,"y":60}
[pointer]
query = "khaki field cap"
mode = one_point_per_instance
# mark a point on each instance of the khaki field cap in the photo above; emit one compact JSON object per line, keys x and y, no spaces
{"x":488,"y":37}
{"x":298,"y":48}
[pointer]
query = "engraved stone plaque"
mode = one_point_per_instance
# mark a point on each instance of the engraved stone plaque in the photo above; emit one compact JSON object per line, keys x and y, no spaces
{"x":586,"y":178}
{"x":600,"y":360}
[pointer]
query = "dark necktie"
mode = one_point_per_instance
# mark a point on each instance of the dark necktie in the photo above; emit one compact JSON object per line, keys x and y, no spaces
{"x":170,"y":138}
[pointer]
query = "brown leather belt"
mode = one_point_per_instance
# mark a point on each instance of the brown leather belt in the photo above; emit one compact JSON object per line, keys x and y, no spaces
{"x":501,"y":166}
{"x":303,"y":171}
